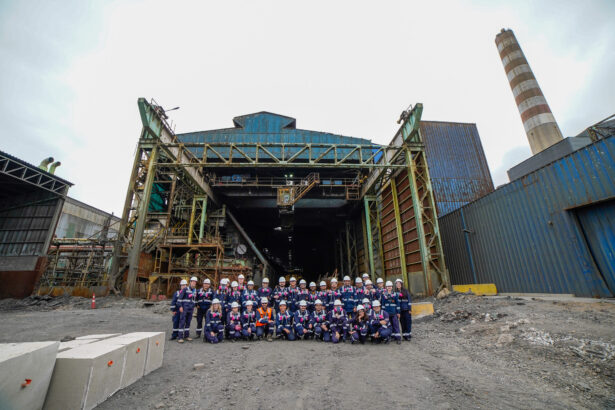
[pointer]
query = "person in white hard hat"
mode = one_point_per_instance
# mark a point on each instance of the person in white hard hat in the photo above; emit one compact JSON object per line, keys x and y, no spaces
{"x":264,"y":320}
{"x":348,"y":297}
{"x":264,"y":291}
{"x":323,"y":294}
{"x":284,"y":323}
{"x":214,"y":326}
{"x":320,"y":322}
{"x":233,"y":322}
{"x":204,"y":297}
{"x":291,"y":299}
{"x":303,"y":327}
{"x":223,"y":291}
{"x":250,"y":294}
{"x":280,"y":292}
{"x":338,"y":322}
{"x":405,"y":305}
{"x":311,"y":297}
{"x":334,"y":294}
{"x":186,"y":302}
{"x":234,"y":296}
{"x":248,"y":321}
{"x":358,"y":328}
{"x":370,"y":292}
{"x":364,"y":276}
{"x":241,"y":282}
{"x":175,"y":309}
{"x":379,"y":324}
{"x":379,"y":288}
{"x":302,"y":293}
{"x":390,"y":303}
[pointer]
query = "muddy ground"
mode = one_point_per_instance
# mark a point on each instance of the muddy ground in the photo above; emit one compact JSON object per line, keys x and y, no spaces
{"x":475,"y":352}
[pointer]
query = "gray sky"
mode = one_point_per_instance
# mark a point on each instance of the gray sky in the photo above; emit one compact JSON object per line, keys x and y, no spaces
{"x":71,"y":72}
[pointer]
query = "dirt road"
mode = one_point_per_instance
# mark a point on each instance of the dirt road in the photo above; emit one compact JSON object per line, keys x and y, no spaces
{"x":476,"y":352}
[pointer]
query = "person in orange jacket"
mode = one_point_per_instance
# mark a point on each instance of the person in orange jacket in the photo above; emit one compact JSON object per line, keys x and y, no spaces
{"x":264,"y":324}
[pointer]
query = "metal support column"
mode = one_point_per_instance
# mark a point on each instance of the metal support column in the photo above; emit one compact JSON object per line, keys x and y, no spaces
{"x":133,"y":257}
{"x":400,"y":235}
{"x":370,"y":243}
{"x":203,"y":219}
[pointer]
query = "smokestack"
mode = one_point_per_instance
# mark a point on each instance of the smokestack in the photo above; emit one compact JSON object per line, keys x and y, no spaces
{"x":539,"y":123}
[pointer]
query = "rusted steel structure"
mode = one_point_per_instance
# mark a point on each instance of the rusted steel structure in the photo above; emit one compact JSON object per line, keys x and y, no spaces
{"x":271,"y":199}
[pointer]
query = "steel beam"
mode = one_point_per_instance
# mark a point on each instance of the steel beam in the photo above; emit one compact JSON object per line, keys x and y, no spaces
{"x":370,"y":243}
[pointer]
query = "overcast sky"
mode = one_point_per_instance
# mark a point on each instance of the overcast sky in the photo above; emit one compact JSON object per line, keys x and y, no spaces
{"x":71,"y":72}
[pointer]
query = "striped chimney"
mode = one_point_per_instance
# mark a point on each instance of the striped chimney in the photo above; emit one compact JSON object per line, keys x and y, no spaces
{"x":539,"y":123}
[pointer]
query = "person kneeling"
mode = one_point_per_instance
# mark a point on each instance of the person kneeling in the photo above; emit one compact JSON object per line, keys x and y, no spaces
{"x":379,"y":324}
{"x":359,"y":326}
{"x":214,"y":329}
{"x":233,"y":322}
{"x":338,"y":322}
{"x":264,"y":323}
{"x":320,"y":322}
{"x":303,"y":327}
{"x":284,"y":323}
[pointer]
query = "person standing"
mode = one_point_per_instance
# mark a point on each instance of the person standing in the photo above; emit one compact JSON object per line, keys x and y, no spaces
{"x":241,"y":283}
{"x":203,"y":301}
{"x":214,"y":328}
{"x":312,"y":296}
{"x":264,"y":291}
{"x":334,"y":294}
{"x":405,"y":307}
{"x":348,"y":296}
{"x":264,"y":323}
{"x":186,"y":302}
{"x":390,"y":303}
{"x":280,"y":293}
{"x":323,"y":294}
{"x":293,"y":293}
{"x":250,"y":294}
{"x":175,"y":309}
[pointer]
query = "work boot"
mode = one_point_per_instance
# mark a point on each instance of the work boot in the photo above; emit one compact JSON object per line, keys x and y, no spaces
{"x":189,"y":339}
{"x":398,"y":342}
{"x":269,"y":338}
{"x":180,"y":340}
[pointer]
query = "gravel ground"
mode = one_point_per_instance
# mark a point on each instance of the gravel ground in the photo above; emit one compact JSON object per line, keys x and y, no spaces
{"x":475,"y":352}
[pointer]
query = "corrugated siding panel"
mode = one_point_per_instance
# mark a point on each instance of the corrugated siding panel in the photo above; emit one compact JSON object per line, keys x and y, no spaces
{"x":525,"y":236}
{"x":457,"y":164}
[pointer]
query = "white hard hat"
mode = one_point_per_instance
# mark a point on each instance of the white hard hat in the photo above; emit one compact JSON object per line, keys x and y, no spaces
{"x":215,"y":301}
{"x":250,"y":282}
{"x":264,"y":300}
{"x":337,"y":302}
{"x":358,"y":280}
{"x":365,"y":300}
{"x":241,"y":276}
{"x":234,"y":284}
{"x":302,"y":281}
{"x":234,"y":305}
{"x":379,"y":280}
{"x":224,"y":280}
{"x":292,"y":279}
{"x":365,"y":275}
{"x":312,"y":284}
{"x":360,"y":307}
{"x":303,"y":303}
{"x":334,"y":280}
{"x":249,"y":303}
{"x":194,"y":279}
{"x":283,"y":303}
{"x":282,"y":279}
{"x":265,"y":280}
{"x":389,"y":283}
{"x":206,"y":281}
{"x":323,"y":283}
{"x":318,"y":302}
{"x":368,"y":282}
{"x":183,"y":282}
{"x":376,"y":303}
{"x":398,"y":280}
{"x":346,"y":277}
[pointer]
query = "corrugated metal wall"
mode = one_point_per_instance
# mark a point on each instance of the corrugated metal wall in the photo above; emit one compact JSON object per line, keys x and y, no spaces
{"x":526,"y":236}
{"x":457,"y":164}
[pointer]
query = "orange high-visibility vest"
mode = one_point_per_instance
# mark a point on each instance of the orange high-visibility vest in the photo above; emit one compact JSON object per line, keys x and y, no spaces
{"x":262,"y":313}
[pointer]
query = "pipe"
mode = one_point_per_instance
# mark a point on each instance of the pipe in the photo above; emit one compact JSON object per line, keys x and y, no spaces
{"x":45,"y":163}
{"x":52,"y":168}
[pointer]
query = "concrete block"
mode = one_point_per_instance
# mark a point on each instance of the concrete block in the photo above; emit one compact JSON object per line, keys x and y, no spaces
{"x":155,"y":350}
{"x":86,"y":376}
{"x":136,"y":356}
{"x":98,"y":337}
{"x":25,"y":372}
{"x":481,"y":289}
{"x":421,"y":309}
{"x":71,"y":344}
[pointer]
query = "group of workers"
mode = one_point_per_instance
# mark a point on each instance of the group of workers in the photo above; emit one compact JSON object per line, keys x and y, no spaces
{"x":335,"y":314}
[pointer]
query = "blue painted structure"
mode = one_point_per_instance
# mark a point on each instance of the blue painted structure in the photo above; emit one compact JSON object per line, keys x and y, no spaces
{"x":266,"y":127}
{"x":457,"y":165}
{"x":551,"y":231}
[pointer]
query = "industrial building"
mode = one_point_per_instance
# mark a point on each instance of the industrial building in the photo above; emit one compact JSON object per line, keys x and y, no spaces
{"x":266,"y":198}
{"x":31,"y":200}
